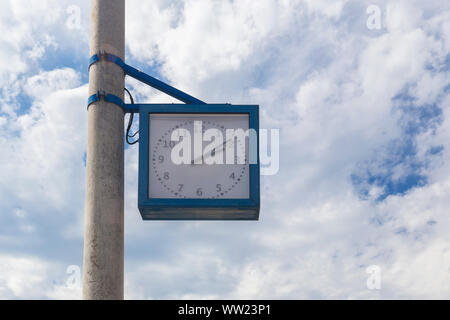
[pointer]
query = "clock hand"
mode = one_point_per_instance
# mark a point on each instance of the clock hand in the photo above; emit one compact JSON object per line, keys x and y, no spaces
{"x":222,"y":147}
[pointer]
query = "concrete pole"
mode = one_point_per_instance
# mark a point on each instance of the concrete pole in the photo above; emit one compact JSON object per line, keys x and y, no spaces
{"x":104,"y":221}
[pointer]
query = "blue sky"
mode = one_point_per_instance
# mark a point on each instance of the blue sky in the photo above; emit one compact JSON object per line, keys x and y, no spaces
{"x":364,"y":164}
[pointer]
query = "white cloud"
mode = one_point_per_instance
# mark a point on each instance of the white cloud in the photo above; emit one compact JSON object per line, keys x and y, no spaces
{"x":32,"y":278}
{"x":42,"y":176}
{"x":331,"y":9}
{"x":45,"y":83}
{"x":192,"y":44}
{"x":21,"y":277}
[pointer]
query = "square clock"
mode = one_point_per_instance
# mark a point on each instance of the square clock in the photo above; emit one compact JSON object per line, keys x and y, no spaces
{"x":198,"y":162}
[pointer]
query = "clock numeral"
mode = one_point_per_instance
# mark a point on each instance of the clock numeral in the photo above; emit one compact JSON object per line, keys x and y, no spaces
{"x":169,"y":144}
{"x":218,"y":188}
{"x":166,"y":176}
{"x":161,"y":159}
{"x":232,"y":176}
{"x":180,"y":187}
{"x":199,"y":192}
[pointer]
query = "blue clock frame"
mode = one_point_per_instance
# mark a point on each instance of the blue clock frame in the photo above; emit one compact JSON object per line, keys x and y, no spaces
{"x":196,"y":209}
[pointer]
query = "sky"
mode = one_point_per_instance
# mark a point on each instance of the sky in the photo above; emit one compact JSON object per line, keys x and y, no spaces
{"x":360,"y":91}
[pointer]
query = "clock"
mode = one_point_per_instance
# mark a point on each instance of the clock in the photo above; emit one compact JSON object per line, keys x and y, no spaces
{"x":198,"y":162}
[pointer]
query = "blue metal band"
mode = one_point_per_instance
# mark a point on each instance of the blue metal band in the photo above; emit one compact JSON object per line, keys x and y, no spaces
{"x":93,"y":60}
{"x":108,"y":97}
{"x":107,"y":57}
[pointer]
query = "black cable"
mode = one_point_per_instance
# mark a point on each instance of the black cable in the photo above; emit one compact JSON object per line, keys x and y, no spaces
{"x":130,"y":123}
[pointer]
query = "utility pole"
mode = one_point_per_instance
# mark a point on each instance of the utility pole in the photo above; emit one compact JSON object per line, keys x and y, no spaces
{"x":104,"y":220}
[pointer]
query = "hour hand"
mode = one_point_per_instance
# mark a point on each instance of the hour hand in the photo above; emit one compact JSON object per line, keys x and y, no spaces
{"x":218,"y":150}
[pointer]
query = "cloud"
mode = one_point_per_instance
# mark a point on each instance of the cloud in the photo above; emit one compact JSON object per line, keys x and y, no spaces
{"x":45,"y":83}
{"x":193,"y":45}
{"x":42,"y":176}
{"x":31,"y":278}
{"x":21,"y":277}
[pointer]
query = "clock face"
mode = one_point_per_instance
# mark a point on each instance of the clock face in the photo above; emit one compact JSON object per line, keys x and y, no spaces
{"x":214,"y":165}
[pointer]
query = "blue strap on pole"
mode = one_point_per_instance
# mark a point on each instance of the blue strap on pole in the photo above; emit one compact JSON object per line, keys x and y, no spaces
{"x":108,"y":97}
{"x":145,"y":78}
{"x":107,"y":57}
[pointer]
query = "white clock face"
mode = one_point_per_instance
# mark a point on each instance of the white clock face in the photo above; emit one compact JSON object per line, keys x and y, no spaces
{"x":215,"y":162}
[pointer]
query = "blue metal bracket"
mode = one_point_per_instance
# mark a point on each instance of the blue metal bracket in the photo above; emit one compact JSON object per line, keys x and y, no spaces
{"x":161,"y":86}
{"x":145,"y":78}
